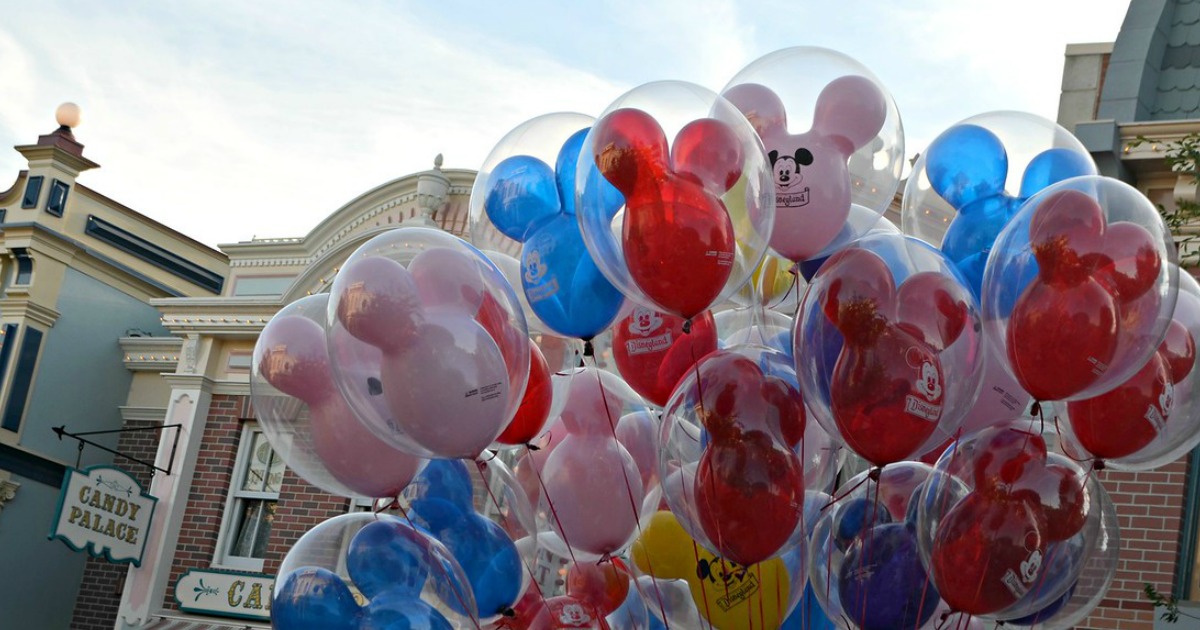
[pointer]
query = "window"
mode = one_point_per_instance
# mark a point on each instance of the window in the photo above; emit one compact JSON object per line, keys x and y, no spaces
{"x":26,"y":368}
{"x":33,"y":190}
{"x":253,"y":498}
{"x":24,"y":266}
{"x":58,"y":198}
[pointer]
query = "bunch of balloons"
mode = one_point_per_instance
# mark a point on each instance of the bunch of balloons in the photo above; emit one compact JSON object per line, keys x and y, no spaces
{"x":687,"y":375}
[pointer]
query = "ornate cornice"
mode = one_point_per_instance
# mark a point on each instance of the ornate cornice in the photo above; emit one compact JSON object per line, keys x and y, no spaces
{"x":25,"y":308}
{"x":143,"y":414}
{"x":151,"y":354}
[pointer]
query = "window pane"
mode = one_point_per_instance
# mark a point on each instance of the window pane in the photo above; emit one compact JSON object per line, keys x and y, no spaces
{"x":264,"y":470}
{"x":254,"y":528}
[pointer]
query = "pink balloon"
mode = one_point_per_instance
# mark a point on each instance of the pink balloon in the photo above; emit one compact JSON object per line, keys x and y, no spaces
{"x":812,"y":181}
{"x":448,"y":387}
{"x":592,"y":408}
{"x":355,"y":456}
{"x":379,"y":303}
{"x":294,"y":359}
{"x":448,"y":278}
{"x":531,"y":463}
{"x":596,"y":511}
{"x":636,"y":433}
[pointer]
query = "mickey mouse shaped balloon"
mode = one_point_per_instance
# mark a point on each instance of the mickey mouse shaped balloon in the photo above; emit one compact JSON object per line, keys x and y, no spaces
{"x":887,"y":345}
{"x":1080,"y":288}
{"x":694,"y":181}
{"x":851,"y":153}
{"x":524,"y":197}
{"x":967,"y":168}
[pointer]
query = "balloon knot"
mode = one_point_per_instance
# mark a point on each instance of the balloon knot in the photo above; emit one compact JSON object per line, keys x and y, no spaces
{"x":533,"y":447}
{"x":605,"y":558}
{"x":508,"y":612}
{"x":1099,"y":465}
{"x":687,"y":327}
{"x":588,"y":349}
{"x":875,"y":473}
{"x":1036,"y":409}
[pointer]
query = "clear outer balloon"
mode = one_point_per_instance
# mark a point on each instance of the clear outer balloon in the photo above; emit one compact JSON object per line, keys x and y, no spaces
{"x":728,"y":454}
{"x":698,"y":195}
{"x":693,"y":588}
{"x":865,"y":566}
{"x":1090,"y":588}
{"x":1154,"y":418}
{"x":523,"y":204}
{"x":307,"y":420}
{"x":995,"y":163}
{"x":391,"y":565}
{"x":438,"y":326}
{"x":888,"y":348}
{"x":592,"y":488}
{"x":755,"y":325}
{"x":652,"y":351}
{"x":833,"y":135}
{"x":777,"y":285}
{"x":1006,"y":527}
{"x":1080,"y":287}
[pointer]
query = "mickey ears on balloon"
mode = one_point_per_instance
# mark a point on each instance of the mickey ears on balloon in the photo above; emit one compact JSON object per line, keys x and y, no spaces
{"x":859,"y":293}
{"x":966,"y":163}
{"x":760,"y":105}
{"x":850,"y":110}
{"x":379,"y":302}
{"x":294,"y":360}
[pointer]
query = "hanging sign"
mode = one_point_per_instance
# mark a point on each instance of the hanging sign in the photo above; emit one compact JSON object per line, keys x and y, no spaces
{"x":225,"y":593}
{"x":105,"y":511}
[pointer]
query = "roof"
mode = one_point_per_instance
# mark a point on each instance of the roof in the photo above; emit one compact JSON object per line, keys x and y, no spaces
{"x":1154,"y":71}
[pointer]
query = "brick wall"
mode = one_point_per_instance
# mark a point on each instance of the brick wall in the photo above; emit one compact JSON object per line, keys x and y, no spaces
{"x":100,"y":591}
{"x":1150,"y":511}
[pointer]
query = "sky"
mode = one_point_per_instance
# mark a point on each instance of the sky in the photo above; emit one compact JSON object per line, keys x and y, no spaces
{"x":236,"y":120}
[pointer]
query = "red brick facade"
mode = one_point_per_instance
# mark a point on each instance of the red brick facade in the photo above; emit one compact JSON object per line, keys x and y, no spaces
{"x":1150,"y":511}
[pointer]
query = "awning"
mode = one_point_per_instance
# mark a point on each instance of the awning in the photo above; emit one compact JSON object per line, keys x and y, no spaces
{"x":184,"y":623}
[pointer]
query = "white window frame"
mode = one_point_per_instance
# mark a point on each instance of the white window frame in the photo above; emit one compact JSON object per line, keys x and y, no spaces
{"x":231,"y":517}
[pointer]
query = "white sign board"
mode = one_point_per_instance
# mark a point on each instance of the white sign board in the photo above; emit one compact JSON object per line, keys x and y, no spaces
{"x":225,"y":594}
{"x":105,"y":511}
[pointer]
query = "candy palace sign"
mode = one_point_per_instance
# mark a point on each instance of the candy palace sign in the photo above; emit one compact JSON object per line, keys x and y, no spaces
{"x":104,"y":510}
{"x":225,"y":593}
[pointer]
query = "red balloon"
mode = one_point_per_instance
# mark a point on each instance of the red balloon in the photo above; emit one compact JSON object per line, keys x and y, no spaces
{"x":677,"y":237}
{"x":933,"y":306}
{"x":887,"y":395}
{"x":1133,"y":261}
{"x":1067,"y":235}
{"x":603,"y":585}
{"x":1062,"y":339}
{"x":653,"y":353}
{"x":749,"y":485}
{"x":1059,"y":493}
{"x":1003,"y":456}
{"x":531,"y":416}
{"x":1122,"y":421}
{"x":567,"y":613}
{"x":987,"y":553}
{"x":1178,"y":349}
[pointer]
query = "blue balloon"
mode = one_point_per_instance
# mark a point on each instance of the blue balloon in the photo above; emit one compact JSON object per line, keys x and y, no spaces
{"x":882,"y":583}
{"x":966,"y":163}
{"x":386,"y":556}
{"x":489,"y":559}
{"x":398,"y":611}
{"x":856,"y":516}
{"x":562,"y":283}
{"x":655,"y":623}
{"x":1046,"y":613}
{"x":969,"y":239}
{"x":521,"y":194}
{"x":310,"y":597}
{"x":446,"y":480}
{"x":809,"y":268}
{"x":808,"y":614}
{"x":1052,"y":166}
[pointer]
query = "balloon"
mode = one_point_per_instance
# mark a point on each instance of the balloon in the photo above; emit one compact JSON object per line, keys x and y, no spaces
{"x":1124,"y":420}
{"x":852,"y":152}
{"x":535,"y":406}
{"x":1093,"y":288}
{"x":638,"y":432}
{"x":652,"y":352}
{"x":691,"y":173}
{"x":593,"y":489}
{"x":441,"y":503}
{"x":404,"y":574}
{"x":603,"y":586}
{"x":728,"y":595}
{"x":855,"y":517}
{"x":451,"y":359}
{"x":312,"y":597}
{"x":882,"y":583}
{"x":390,"y":611}
{"x":566,"y":612}
{"x":329,"y":447}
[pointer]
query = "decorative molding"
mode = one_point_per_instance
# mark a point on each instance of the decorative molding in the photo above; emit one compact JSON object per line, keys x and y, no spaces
{"x":192,"y":382}
{"x":151,"y":354}
{"x":14,"y":308}
{"x":151,"y":253}
{"x":191,"y":352}
{"x":143,"y":414}
{"x":232,"y":388}
{"x":8,"y":488}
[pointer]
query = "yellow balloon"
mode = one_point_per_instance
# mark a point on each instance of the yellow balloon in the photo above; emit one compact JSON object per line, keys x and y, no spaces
{"x":730,"y":596}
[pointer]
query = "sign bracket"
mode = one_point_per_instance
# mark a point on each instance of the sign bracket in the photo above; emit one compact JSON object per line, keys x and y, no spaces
{"x":61,"y":432}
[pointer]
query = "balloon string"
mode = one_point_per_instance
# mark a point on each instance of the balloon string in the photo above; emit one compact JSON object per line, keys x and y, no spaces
{"x":480,"y":466}
{"x":794,"y":271}
{"x":1062,"y":446}
{"x":703,"y":594}
{"x":612,"y":426}
{"x":553,"y":512}
{"x":444,"y":571}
